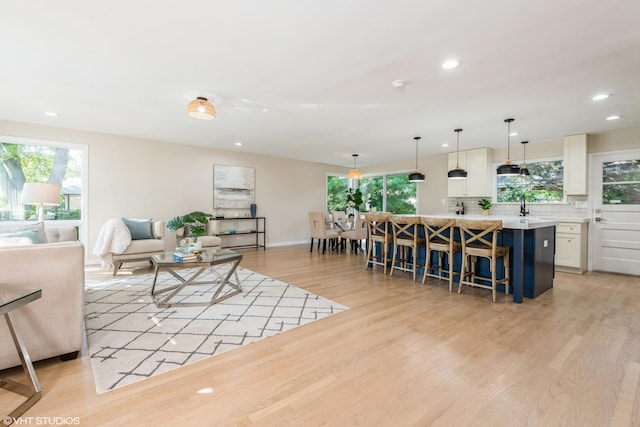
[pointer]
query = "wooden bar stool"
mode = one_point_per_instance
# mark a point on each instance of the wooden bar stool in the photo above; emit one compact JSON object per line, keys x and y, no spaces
{"x":406,"y":244}
{"x":439,"y":236}
{"x":377,"y":235}
{"x":480,"y":239}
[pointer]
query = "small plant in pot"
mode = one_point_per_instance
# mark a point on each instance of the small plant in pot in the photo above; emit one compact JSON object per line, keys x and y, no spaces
{"x":485,"y":205}
{"x":195,"y":223}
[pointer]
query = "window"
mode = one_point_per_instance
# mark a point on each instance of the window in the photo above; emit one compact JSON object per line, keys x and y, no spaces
{"x":621,"y":182}
{"x":542,"y":186}
{"x":32,"y":161}
{"x":337,"y":187}
{"x":390,"y":193}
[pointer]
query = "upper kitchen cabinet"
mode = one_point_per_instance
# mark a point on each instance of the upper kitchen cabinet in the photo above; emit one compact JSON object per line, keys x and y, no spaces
{"x":478,"y":165}
{"x":575,"y":165}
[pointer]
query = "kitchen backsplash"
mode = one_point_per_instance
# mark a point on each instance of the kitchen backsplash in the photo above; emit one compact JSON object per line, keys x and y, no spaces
{"x":576,"y":206}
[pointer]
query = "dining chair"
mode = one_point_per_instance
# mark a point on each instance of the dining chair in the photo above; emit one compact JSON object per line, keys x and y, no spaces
{"x":440,"y":242}
{"x":378,"y":240}
{"x":480,"y":240}
{"x":319,"y":230}
{"x":406,"y":244}
{"x":356,"y":234}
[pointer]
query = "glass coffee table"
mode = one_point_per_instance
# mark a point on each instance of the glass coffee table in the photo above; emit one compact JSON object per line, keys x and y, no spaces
{"x":11,"y":298}
{"x":221,"y":262}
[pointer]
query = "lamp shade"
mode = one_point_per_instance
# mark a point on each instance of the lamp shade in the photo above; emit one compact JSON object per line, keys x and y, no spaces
{"x":201,"y":108}
{"x":457,"y":172}
{"x":508,"y":168}
{"x":416,"y":176}
{"x":354,"y":173}
{"x":40,"y":194}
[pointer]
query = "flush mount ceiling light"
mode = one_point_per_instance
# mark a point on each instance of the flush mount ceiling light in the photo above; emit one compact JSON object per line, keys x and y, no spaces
{"x":450,"y":64}
{"x":508,"y":168}
{"x":398,"y":84}
{"x":600,"y":96}
{"x":416,"y":176}
{"x":614,"y":117}
{"x":524,"y":170}
{"x":354,"y":173}
{"x":457,"y":172}
{"x":201,"y":108}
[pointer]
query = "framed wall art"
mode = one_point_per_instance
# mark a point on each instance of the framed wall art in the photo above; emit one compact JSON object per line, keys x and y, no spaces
{"x":233,"y":187}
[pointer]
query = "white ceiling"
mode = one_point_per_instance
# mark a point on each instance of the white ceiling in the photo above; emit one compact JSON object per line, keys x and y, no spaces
{"x":323,"y":70}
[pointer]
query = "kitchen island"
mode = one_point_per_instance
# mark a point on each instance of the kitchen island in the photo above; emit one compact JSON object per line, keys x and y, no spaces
{"x":532,"y":251}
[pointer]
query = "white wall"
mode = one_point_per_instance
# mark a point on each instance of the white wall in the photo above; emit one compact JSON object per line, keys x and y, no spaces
{"x":151,"y":179}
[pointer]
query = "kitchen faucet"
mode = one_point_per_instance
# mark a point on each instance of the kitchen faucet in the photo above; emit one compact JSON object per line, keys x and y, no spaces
{"x":523,"y":206}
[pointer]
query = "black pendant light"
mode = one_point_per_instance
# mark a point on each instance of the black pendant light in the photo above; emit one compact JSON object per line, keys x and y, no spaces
{"x":508,"y":168}
{"x":416,"y":176}
{"x":457,"y":172}
{"x":524,"y":170}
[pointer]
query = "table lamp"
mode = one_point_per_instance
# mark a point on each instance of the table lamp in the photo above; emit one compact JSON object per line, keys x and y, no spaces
{"x":40,"y":195}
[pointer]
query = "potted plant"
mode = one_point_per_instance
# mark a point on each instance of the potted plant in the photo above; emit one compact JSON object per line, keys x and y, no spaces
{"x":354,"y":200}
{"x":485,"y":205}
{"x":195,"y":221}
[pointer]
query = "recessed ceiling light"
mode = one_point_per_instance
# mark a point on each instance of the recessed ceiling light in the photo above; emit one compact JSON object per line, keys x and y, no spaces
{"x":444,"y":144}
{"x":265,"y":110}
{"x":51,"y":114}
{"x":450,"y":63}
{"x":600,"y":96}
{"x":237,"y":143}
{"x":513,"y":134}
{"x":614,"y":117}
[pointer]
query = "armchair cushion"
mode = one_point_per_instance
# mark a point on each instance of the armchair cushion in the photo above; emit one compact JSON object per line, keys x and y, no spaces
{"x":140,"y":229}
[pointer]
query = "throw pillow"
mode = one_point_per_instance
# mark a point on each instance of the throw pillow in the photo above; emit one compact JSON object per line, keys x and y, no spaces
{"x":31,"y":234}
{"x":15,"y":241}
{"x":17,"y":228}
{"x":140,"y":229}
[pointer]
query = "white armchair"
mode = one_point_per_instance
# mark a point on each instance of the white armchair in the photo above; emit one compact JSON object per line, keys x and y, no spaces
{"x":116,"y":245}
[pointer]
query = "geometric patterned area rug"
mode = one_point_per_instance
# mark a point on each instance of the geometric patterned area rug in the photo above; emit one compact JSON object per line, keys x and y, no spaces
{"x":130,"y":339}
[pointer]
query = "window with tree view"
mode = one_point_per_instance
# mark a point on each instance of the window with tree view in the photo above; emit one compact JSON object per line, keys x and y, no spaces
{"x":621,"y":182}
{"x":390,"y":193}
{"x":543,"y":185}
{"x":21,"y":163}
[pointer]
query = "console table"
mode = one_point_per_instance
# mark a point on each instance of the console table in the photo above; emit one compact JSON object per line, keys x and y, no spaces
{"x":242,"y":232}
{"x":11,"y":298}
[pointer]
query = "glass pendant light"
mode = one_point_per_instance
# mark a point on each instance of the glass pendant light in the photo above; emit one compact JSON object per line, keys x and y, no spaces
{"x":354,"y":173}
{"x":524,"y":170}
{"x":416,"y":176}
{"x":457,"y":172}
{"x":508,"y":168}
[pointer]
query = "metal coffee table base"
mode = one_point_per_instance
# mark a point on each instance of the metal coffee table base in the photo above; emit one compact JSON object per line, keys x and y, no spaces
{"x":222,"y":281}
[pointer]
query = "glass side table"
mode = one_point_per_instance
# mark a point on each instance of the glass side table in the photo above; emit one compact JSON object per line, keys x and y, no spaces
{"x":12,"y":298}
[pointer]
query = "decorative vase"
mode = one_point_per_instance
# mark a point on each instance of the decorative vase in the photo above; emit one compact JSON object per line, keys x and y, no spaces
{"x":253,"y":208}
{"x":485,"y":212}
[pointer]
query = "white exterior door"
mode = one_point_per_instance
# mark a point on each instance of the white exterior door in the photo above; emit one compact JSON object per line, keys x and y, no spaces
{"x":614,"y":229}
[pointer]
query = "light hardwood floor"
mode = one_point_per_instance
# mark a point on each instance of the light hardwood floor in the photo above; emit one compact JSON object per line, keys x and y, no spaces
{"x":405,"y":354}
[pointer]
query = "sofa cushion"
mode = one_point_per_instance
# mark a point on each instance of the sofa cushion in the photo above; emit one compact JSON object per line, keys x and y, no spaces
{"x":140,"y":229}
{"x":17,"y":230}
{"x":142,"y":246}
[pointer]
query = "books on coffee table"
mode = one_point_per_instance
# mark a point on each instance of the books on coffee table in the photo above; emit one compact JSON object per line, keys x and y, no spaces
{"x":179,"y":257}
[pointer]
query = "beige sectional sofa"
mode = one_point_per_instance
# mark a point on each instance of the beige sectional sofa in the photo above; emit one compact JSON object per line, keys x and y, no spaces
{"x":52,"y":325}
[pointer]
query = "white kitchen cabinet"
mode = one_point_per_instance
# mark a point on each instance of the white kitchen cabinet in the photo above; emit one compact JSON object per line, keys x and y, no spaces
{"x":571,"y":247}
{"x":575,"y":165}
{"x":477,"y":163}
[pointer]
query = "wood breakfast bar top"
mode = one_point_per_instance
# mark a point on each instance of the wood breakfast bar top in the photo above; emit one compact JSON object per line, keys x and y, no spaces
{"x":532,"y":250}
